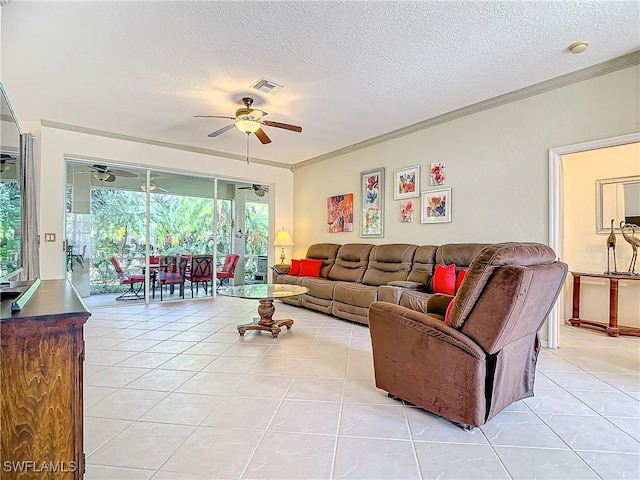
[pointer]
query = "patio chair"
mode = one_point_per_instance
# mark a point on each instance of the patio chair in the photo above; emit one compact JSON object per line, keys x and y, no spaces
{"x":200,"y":272}
{"x":132,"y":280}
{"x":172,"y":278}
{"x":227,"y":270}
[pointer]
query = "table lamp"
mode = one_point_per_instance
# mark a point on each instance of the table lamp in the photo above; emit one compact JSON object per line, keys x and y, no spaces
{"x":283,"y":239}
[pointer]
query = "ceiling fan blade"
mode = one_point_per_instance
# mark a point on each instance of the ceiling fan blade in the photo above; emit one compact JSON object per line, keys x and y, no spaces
{"x":121,"y":173}
{"x":262,"y":136}
{"x":286,"y":126}
{"x":214,"y":116}
{"x":221,"y":131}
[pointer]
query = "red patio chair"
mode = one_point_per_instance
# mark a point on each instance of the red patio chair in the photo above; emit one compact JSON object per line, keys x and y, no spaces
{"x":173,"y":278}
{"x":131,"y":280}
{"x":227,"y":270}
{"x":200,"y":272}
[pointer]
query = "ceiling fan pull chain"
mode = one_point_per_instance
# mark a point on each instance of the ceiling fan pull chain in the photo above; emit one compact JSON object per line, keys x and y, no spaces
{"x":247,"y":148}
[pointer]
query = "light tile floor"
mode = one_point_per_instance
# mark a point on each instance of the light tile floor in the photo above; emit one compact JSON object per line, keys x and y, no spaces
{"x":172,"y":392}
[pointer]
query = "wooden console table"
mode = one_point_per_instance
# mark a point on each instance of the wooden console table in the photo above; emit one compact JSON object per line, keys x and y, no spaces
{"x":612,"y":328}
{"x":42,"y":350}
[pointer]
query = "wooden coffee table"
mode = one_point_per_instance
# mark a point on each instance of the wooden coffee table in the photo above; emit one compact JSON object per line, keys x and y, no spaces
{"x":265,"y":294}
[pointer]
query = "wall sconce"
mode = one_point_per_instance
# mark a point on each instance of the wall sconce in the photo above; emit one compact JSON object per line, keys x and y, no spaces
{"x":283,"y":239}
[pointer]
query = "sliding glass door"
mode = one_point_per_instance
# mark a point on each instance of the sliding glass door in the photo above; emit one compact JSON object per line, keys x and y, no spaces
{"x":174,"y":230}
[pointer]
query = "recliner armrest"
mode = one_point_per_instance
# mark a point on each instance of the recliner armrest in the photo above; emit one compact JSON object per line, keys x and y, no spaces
{"x":422,"y":324}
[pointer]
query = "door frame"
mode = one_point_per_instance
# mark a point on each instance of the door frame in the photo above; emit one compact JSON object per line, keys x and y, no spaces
{"x":556,"y":236}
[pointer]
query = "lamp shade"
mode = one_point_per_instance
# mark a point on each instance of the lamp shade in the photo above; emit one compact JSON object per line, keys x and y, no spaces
{"x":247,"y":126}
{"x":283,"y":239}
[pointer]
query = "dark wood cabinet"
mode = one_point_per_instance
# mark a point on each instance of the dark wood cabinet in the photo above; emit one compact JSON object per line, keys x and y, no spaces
{"x":41,"y":357}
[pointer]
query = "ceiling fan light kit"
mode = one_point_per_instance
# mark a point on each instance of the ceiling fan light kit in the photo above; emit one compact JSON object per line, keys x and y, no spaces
{"x":250,"y":120}
{"x":102,"y":176}
{"x":248,"y":126}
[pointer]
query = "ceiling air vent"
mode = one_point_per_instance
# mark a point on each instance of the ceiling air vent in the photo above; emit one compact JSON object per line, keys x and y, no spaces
{"x":267,"y":86}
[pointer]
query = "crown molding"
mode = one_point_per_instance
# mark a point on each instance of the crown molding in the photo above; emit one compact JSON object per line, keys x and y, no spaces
{"x":613,"y":65}
{"x":159,"y":143}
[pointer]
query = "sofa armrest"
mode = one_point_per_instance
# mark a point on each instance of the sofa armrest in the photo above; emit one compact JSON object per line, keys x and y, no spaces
{"x":281,"y":269}
{"x":438,"y":303}
{"x":408,"y":285}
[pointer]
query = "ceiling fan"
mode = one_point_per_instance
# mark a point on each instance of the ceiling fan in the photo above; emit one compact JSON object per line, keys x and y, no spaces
{"x":6,"y":161}
{"x":250,"y":120}
{"x":108,"y":174}
{"x":152,"y":186}
{"x":259,"y":190}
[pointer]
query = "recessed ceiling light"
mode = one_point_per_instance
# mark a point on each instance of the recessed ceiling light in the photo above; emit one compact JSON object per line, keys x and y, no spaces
{"x":578,"y":47}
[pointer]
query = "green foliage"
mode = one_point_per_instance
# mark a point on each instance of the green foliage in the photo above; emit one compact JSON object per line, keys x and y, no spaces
{"x":178,"y":225}
{"x":10,"y":225}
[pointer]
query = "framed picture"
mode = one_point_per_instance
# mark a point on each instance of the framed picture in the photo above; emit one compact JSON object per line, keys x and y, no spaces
{"x":406,"y":211}
{"x":437,"y":174}
{"x":340,"y":213}
{"x":372,"y":185}
{"x":406,"y":183}
{"x":436,"y":206}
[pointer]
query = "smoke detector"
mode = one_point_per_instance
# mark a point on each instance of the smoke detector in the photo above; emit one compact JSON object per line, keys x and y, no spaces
{"x":267,"y":86}
{"x":578,"y":47}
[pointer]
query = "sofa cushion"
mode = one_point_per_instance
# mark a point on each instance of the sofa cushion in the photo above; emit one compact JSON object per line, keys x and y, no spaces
{"x":460,"y":278}
{"x":295,"y":267}
{"x":310,"y":268}
{"x":326,"y":252}
{"x":351,"y":262}
{"x":319,"y":287}
{"x":415,"y":300}
{"x":424,"y":261}
{"x":447,"y":315}
{"x":462,"y":254}
{"x":289,"y":279}
{"x":388,"y":263}
{"x":355,"y":294}
{"x":444,"y":279}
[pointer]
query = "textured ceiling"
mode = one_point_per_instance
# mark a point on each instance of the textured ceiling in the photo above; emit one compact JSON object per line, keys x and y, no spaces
{"x":352,"y":70}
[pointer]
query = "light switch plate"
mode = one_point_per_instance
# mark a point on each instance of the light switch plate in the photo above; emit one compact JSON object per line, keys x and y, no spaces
{"x":49,"y":237}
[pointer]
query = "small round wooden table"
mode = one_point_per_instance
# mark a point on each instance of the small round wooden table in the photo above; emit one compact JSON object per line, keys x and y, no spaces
{"x":265,"y":294}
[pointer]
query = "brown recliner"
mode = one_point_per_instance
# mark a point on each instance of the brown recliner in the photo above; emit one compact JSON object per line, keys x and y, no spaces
{"x":485,"y":359}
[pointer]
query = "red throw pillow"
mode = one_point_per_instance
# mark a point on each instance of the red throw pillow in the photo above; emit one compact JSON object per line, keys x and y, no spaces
{"x":459,"y":278}
{"x":444,"y":279}
{"x":295,"y":268}
{"x":447,"y":315}
{"x":310,"y":268}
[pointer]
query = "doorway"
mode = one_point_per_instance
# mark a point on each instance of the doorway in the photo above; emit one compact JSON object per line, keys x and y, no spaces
{"x":557,"y":213}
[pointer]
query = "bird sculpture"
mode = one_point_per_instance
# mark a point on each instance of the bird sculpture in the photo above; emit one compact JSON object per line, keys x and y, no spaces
{"x":633,"y":241}
{"x":611,"y":245}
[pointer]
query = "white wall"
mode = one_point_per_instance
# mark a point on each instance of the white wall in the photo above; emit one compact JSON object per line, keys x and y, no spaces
{"x":584,"y":249}
{"x":496,"y":160}
{"x":54,"y":144}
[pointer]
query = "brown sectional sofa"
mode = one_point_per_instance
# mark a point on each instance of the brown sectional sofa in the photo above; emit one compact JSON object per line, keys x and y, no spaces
{"x":355,"y":275}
